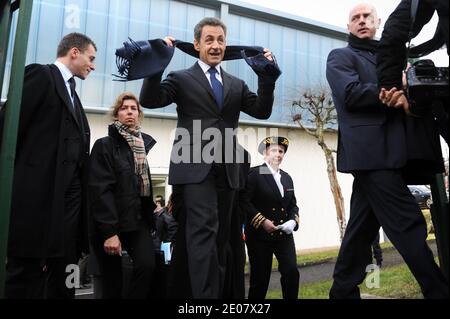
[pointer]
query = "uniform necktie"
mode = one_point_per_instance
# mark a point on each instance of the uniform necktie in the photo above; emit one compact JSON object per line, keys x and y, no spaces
{"x":217,"y":87}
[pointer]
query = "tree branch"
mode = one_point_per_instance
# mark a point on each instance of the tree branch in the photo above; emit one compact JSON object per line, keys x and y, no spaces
{"x":307,"y":130}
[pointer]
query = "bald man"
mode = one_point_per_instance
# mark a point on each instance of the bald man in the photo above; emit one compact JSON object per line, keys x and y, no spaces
{"x":372,"y":147}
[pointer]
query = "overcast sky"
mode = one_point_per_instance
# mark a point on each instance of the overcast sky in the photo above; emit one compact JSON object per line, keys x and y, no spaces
{"x":335,"y":12}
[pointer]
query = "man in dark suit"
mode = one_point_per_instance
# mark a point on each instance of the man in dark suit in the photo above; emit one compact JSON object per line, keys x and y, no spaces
{"x":272,"y":216}
{"x":372,"y":147}
{"x":204,"y":159}
{"x":48,"y":222}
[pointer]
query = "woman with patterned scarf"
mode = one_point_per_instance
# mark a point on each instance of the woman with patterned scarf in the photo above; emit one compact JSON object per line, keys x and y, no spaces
{"x":121,"y":202}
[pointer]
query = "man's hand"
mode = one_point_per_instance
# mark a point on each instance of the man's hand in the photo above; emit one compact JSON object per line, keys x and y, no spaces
{"x":390,"y":98}
{"x":268,"y":54}
{"x":287,"y":227}
{"x":394,"y":98}
{"x":112,"y":246}
{"x":404,"y":103}
{"x":269,"y":226}
{"x":169,"y":40}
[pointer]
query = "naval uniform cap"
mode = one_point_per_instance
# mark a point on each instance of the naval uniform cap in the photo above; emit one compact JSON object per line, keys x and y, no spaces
{"x":273,"y":140}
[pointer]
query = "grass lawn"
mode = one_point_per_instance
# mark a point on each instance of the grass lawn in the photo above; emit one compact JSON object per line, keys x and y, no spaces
{"x":319,"y":257}
{"x":395,"y":282}
{"x":323,"y":256}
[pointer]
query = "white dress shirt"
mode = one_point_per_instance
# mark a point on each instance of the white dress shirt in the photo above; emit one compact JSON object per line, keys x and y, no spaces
{"x":205,"y":68}
{"x":67,"y":75}
{"x":277,"y":177}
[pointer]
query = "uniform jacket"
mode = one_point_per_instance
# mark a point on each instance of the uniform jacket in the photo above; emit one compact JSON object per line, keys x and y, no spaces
{"x":51,"y":145}
{"x":197,"y":111}
{"x":115,"y":202}
{"x":264,"y":201}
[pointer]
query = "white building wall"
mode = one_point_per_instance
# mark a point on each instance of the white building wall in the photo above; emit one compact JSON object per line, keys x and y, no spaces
{"x":304,"y":161}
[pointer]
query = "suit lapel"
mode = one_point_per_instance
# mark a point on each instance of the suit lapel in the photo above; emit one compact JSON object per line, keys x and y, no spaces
{"x":271,"y":181}
{"x":198,"y":75}
{"x":226,"y":80}
{"x":82,"y":119}
{"x":367,"y":55}
{"x":62,"y":91}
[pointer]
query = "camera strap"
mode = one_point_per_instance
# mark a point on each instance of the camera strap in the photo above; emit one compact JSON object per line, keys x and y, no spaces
{"x":414,"y":6}
{"x":427,"y":47}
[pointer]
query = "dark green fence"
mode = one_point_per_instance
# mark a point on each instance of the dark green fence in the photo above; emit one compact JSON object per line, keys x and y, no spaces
{"x":12,"y":112}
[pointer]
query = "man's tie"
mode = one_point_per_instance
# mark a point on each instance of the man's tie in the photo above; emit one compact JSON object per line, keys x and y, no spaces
{"x":217,"y":87}
{"x":72,"y":87}
{"x":76,"y":107}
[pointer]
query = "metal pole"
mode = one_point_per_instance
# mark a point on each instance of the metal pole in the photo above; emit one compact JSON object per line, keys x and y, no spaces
{"x":8,"y":144}
{"x":440,"y":217}
{"x":5,"y":28}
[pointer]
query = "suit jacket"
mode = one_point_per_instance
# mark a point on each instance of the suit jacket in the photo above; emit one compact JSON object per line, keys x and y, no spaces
{"x":51,"y":145}
{"x":371,"y":135}
{"x":262,"y":200}
{"x":197,"y":112}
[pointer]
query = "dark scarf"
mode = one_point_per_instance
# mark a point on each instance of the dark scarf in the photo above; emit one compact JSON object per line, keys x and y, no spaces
{"x":253,"y":55}
{"x":232,"y":52}
{"x":362,"y":44}
{"x":142,"y":59}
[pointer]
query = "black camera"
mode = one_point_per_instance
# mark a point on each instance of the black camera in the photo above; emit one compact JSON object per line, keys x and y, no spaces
{"x":426,"y":83}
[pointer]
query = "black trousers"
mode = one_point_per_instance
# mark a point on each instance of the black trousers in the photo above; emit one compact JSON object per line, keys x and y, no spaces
{"x":59,"y":285}
{"x":382,"y":198}
{"x":235,"y":273}
{"x":208,"y":207}
{"x":25,"y":278}
{"x":47,"y":277}
{"x":139,"y":246}
{"x":260,"y":254}
{"x":178,"y":280}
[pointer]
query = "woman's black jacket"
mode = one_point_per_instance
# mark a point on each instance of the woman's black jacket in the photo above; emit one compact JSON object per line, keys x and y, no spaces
{"x":115,"y":202}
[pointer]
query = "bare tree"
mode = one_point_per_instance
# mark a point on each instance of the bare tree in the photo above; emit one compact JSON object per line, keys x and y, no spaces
{"x":315,"y":113}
